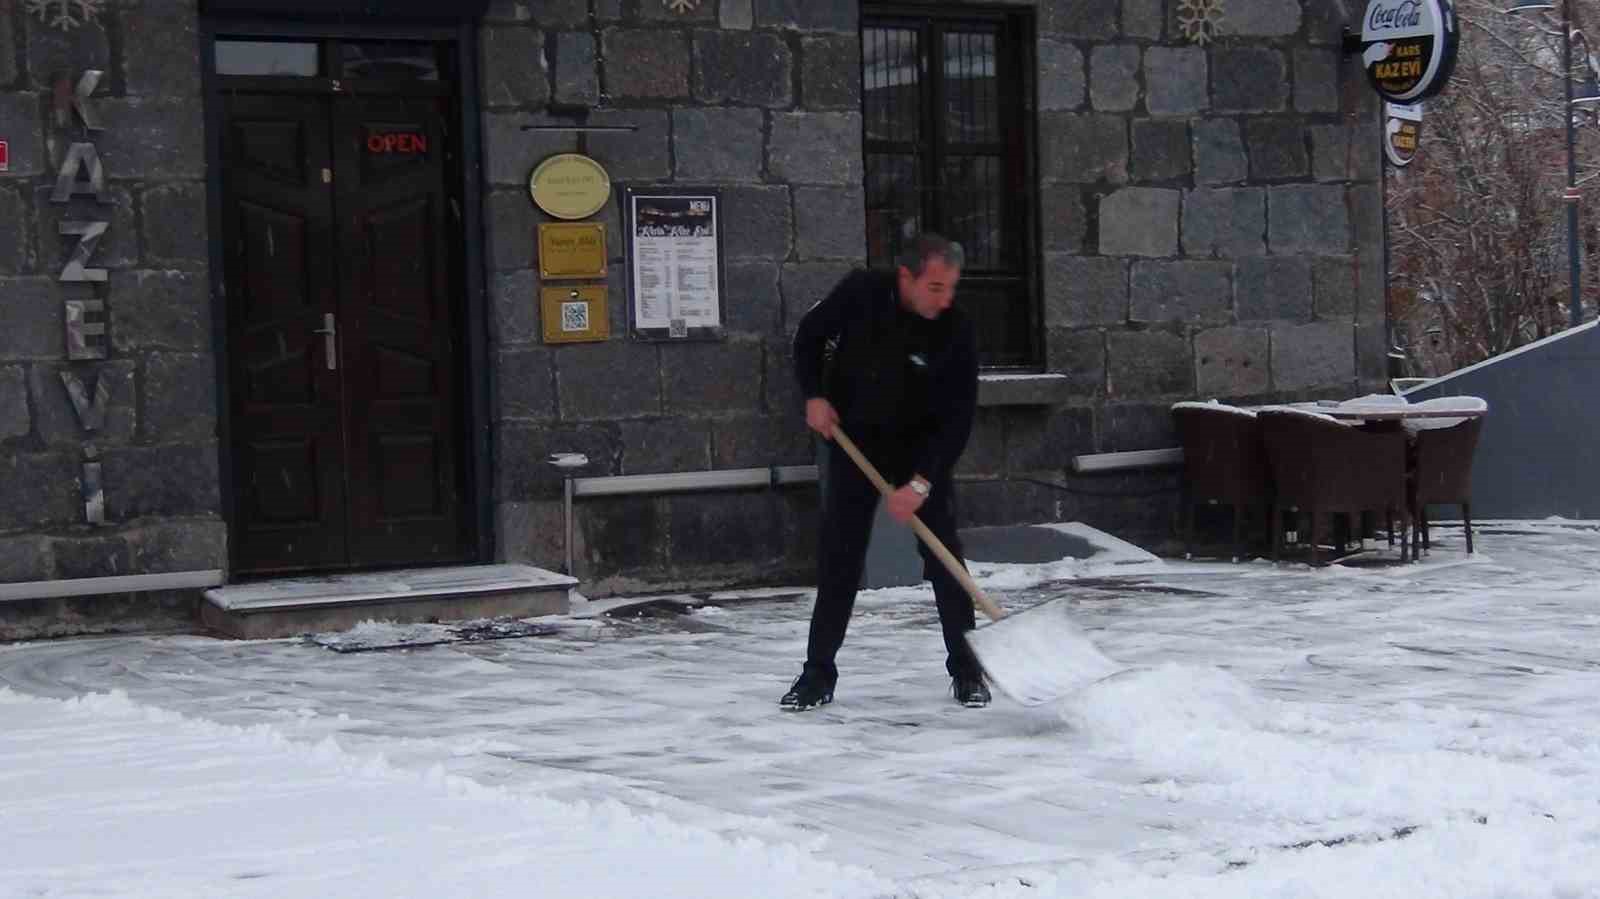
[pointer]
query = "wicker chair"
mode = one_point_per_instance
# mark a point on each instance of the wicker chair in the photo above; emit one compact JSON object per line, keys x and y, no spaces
{"x":1224,"y":464}
{"x":1322,"y":466}
{"x":1442,"y":451}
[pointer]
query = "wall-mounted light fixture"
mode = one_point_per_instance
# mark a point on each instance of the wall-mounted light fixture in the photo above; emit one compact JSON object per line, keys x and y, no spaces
{"x":579,"y":116}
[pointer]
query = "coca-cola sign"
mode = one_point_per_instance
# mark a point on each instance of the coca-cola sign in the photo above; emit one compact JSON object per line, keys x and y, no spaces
{"x":1409,"y":47}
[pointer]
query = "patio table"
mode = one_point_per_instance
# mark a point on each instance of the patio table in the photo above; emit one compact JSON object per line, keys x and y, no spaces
{"x":1464,"y":407}
{"x":1377,"y":410}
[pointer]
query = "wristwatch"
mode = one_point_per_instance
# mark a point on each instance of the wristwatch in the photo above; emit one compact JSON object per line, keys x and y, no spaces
{"x":919,"y":487}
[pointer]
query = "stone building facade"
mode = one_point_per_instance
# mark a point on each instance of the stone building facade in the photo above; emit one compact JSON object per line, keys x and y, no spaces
{"x":1204,"y":220}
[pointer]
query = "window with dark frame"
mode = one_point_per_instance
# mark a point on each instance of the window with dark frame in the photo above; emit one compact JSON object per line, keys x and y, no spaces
{"x":946,"y":105}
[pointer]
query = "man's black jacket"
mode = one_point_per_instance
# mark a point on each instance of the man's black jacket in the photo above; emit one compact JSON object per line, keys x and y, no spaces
{"x":900,"y":382}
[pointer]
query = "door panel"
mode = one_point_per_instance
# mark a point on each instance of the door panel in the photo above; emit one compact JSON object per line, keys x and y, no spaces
{"x":338,"y":218}
{"x":391,"y":154}
{"x":288,"y":454}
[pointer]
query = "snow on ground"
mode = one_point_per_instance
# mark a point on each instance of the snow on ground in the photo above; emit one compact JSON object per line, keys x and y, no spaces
{"x":107,"y":797}
{"x":1359,"y":730}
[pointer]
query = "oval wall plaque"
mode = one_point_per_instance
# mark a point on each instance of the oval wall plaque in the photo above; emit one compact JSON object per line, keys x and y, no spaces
{"x":1409,"y":47}
{"x":1402,"y":132}
{"x":570,"y":186}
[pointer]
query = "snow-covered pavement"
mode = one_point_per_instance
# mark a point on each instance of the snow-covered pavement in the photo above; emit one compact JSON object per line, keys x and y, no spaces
{"x":1358,"y":730}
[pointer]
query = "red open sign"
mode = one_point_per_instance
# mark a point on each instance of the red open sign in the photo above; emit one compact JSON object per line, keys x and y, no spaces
{"x":5,"y":156}
{"x":403,"y":142}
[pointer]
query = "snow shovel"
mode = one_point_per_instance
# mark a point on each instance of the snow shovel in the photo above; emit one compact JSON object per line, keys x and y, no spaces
{"x":1036,"y":656}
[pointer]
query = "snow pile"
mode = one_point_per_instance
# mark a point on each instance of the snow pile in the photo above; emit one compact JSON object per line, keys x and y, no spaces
{"x":103,"y":796}
{"x":1143,"y":707}
{"x":1450,"y":860}
{"x":1393,"y":808}
{"x":1201,"y":734}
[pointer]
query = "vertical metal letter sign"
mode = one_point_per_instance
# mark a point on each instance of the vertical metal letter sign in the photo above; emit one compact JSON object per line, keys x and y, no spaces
{"x":85,"y":337}
{"x":81,"y":155}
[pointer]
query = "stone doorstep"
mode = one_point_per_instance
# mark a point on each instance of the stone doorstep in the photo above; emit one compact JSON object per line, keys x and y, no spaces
{"x":293,"y":606}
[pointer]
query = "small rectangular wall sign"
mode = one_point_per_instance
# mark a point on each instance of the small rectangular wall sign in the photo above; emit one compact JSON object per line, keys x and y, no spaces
{"x":574,"y":314}
{"x":572,"y":250}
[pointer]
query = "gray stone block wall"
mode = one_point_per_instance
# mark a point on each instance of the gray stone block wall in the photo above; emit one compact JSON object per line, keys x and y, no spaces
{"x":155,"y":437}
{"x":1210,"y":226}
{"x":758,"y":99}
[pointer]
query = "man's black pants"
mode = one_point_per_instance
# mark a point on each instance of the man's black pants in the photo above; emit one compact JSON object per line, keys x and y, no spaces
{"x":849,"y":504}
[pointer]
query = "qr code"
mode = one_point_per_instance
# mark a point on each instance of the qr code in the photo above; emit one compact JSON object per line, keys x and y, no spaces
{"x":677,"y":328}
{"x":574,"y":316}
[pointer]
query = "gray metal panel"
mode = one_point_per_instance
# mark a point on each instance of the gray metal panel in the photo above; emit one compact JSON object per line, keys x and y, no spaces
{"x":1540,"y":450}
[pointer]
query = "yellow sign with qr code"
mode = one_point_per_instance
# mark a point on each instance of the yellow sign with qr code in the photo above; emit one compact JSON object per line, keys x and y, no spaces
{"x":574,"y":314}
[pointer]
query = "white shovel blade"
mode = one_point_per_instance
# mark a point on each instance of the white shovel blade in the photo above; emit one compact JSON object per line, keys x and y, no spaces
{"x":1039,"y":655}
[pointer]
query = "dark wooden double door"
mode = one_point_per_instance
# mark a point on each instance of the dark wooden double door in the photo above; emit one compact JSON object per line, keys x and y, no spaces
{"x":341,"y":254}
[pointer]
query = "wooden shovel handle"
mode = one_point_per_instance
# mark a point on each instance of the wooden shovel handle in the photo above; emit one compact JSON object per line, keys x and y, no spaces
{"x":951,"y":563}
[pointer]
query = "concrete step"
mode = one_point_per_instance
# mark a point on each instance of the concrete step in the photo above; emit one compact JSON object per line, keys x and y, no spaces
{"x":290,"y":606}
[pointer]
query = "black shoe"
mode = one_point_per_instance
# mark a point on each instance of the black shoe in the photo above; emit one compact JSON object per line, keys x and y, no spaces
{"x":970,"y":690}
{"x":807,"y":692}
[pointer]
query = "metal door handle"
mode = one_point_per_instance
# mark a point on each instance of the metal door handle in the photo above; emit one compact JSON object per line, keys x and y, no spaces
{"x":330,"y":340}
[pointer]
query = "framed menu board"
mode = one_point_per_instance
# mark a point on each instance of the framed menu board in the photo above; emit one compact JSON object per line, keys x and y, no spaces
{"x":675,"y":283}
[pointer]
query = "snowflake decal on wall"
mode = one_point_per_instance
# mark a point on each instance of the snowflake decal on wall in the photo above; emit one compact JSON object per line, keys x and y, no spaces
{"x":65,"y":14}
{"x":680,"y":5}
{"x":1200,"y":20}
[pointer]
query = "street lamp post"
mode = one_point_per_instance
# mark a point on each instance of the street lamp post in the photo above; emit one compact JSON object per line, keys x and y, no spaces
{"x":1571,"y":196}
